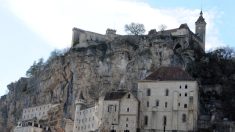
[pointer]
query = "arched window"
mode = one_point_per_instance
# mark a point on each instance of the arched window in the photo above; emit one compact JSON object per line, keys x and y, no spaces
{"x":167,"y":92}
{"x":186,"y":86}
{"x":184,"y":118}
{"x":148,"y":92}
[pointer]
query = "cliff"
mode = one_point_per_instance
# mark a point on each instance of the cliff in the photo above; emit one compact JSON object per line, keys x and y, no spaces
{"x":96,"y":68}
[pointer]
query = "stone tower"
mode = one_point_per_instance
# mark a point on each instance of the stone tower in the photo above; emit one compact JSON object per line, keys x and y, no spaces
{"x":201,"y":29}
{"x":80,"y":102}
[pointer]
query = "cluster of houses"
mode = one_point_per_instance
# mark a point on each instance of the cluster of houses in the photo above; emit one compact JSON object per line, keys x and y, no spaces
{"x":166,"y":100}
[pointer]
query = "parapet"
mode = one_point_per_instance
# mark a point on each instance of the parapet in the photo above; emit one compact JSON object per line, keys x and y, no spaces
{"x":80,"y":101}
{"x":81,"y":38}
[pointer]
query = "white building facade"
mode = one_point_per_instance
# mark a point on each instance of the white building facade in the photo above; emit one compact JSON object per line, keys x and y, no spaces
{"x":169,"y":101}
{"x":28,"y":129}
{"x":39,"y":112}
{"x":86,"y":119}
{"x":120,"y":112}
{"x":117,"y":111}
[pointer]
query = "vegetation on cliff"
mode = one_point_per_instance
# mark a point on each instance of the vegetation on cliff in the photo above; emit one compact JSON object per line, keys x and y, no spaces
{"x":216,"y":69}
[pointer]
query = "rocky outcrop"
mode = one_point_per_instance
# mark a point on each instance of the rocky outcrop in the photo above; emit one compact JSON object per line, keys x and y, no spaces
{"x":100,"y":67}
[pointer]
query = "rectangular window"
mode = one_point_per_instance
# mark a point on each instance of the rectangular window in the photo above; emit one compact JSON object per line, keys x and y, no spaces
{"x":148,"y":92}
{"x":146,"y":120}
{"x":184,"y":118}
{"x":165,"y":104}
{"x":147,"y":103}
{"x":110,"y":107}
{"x":166,"y":92}
{"x":164,"y":120}
{"x":157,"y":103}
{"x":185,"y":105}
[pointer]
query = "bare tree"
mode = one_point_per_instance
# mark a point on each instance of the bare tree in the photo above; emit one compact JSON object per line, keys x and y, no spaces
{"x":162,"y":27}
{"x":135,"y":28}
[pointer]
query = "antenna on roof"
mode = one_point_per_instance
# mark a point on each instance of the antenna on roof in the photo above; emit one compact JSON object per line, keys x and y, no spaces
{"x":201,"y":4}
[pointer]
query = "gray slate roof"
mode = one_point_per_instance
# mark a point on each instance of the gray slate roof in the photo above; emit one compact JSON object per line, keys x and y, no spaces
{"x":114,"y":95}
{"x":169,"y":74}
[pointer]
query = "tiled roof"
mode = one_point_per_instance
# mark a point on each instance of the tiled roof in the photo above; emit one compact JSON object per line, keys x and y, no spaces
{"x":200,"y":20}
{"x":169,"y":73}
{"x":115,"y":95}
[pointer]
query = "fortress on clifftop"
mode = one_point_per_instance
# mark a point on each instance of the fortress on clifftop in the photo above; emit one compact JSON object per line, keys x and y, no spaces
{"x":182,"y":36}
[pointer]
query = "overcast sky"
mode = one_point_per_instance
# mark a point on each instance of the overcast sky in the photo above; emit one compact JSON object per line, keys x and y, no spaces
{"x":31,"y":29}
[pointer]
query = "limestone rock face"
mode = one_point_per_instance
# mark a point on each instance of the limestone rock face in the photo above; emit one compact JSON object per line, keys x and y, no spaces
{"x":94,"y":70}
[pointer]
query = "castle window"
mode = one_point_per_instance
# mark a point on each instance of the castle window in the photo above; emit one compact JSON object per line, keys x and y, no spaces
{"x":186,"y":86}
{"x":127,"y":119}
{"x":178,"y":104}
{"x":166,"y":92}
{"x":110,"y":108}
{"x":185,"y":105}
{"x":148,"y":92}
{"x":127,"y":109}
{"x":146,"y":120}
{"x":191,"y":99}
{"x":165,"y":104}
{"x":129,"y":96}
{"x":180,"y":94}
{"x":157,"y":102}
{"x":147,"y":103}
{"x":126,"y":125}
{"x":186,"y":94}
{"x":180,"y":86}
{"x":164,"y":120}
{"x":184,"y":118}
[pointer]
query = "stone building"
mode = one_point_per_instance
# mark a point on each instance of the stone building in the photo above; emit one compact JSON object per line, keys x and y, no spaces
{"x":116,"y":111}
{"x":179,"y":38}
{"x":28,"y":127}
{"x":86,"y":119}
{"x":168,"y":101}
{"x":36,"y":112}
{"x":120,"y":112}
{"x":32,"y":116}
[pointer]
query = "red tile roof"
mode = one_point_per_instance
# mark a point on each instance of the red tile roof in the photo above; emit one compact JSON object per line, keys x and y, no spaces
{"x":169,"y":73}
